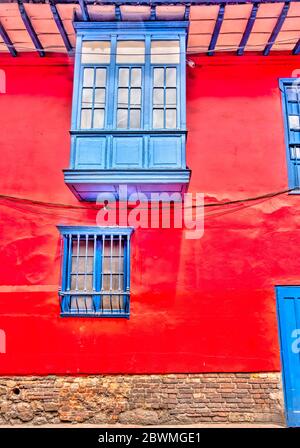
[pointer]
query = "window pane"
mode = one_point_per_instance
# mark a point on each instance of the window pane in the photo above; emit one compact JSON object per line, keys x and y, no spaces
{"x":100,"y":77}
{"x":122,"y":118}
{"x":135,"y":97}
{"x":95,"y":52}
{"x":81,"y":304}
{"x":165,"y":51}
{"x":124,"y":77}
{"x":171,"y":97}
{"x":158,"y":118}
{"x":158,"y":97}
{"x":86,"y":118}
{"x":158,"y":77}
{"x":123,"y":97}
{"x":295,"y":152}
{"x":294,"y":121}
{"x":292,"y":93}
{"x":98,"y":118}
{"x":136,"y":77}
{"x":131,"y":51}
{"x":171,"y":118}
{"x":80,"y":246}
{"x":135,"y":120}
{"x":171,"y":77}
{"x":99,"y":98}
{"x":87,"y":97}
{"x":113,"y":264}
{"x":81,"y":282}
{"x":88,"y":77}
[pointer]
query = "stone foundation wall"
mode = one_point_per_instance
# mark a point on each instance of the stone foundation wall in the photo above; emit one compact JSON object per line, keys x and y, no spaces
{"x":142,"y":399}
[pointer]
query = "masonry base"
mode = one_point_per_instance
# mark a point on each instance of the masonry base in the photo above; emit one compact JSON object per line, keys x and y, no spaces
{"x":142,"y":399}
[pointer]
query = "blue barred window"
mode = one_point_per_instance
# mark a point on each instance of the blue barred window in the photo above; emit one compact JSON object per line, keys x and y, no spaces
{"x":95,"y":271}
{"x":291,"y":107}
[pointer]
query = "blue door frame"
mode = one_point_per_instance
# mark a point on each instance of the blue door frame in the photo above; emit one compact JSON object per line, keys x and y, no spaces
{"x":288,"y":313}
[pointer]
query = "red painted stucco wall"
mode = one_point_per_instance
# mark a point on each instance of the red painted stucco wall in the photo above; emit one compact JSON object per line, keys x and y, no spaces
{"x":196,"y":305}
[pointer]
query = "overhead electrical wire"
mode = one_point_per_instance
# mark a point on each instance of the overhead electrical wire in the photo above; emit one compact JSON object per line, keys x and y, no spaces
{"x":55,"y":205}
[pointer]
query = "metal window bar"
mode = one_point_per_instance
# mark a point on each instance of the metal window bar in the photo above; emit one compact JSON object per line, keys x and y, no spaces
{"x":95,"y":266}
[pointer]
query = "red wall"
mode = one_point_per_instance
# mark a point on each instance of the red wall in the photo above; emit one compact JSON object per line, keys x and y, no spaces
{"x":196,"y":305}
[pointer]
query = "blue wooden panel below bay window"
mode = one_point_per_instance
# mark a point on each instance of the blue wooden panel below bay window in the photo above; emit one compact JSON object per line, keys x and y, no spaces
{"x":127,"y":152}
{"x":165,"y":152}
{"x":90,"y":153}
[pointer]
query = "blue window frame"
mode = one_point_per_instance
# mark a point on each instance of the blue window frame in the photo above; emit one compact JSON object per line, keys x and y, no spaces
{"x":95,"y":271}
{"x":290,"y":89}
{"x":129,"y":80}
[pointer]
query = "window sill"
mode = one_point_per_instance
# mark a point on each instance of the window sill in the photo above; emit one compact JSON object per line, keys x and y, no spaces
{"x":95,"y":315}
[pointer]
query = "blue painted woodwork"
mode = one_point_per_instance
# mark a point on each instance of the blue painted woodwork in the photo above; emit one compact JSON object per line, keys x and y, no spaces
{"x":30,"y":30}
{"x":84,"y":11}
{"x":216,"y":31}
{"x":60,"y":26}
{"x":290,"y":89}
{"x":288,"y":313}
{"x":277,"y":28}
{"x":7,"y":41}
{"x":296,"y":49}
{"x":95,"y":271}
{"x":248,"y":29}
{"x":150,"y":146}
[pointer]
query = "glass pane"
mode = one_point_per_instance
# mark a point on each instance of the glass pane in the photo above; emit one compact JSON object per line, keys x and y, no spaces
{"x":135,"y":118}
{"x":100,"y":77}
{"x":111,"y":282}
{"x":171,"y":77}
{"x":87,"y":97}
{"x":132,"y":51}
{"x":95,"y":52}
{"x":165,"y":51}
{"x":158,"y":78}
{"x":122,"y":118}
{"x":123,"y":97}
{"x":81,"y":282}
{"x":171,"y":118}
{"x":98,"y":118}
{"x":113,"y":264}
{"x":158,"y":118}
{"x":80,"y":246}
{"x":124,"y":77}
{"x":82,"y":264}
{"x":295,"y":152}
{"x":136,"y":77}
{"x":86,"y":118}
{"x":113,"y":303}
{"x":82,"y":304}
{"x":292,"y":93}
{"x":294,"y":121}
{"x":158,"y":97}
{"x":88,"y":77}
{"x":116,"y":247}
{"x":135,"y":97}
{"x":99,"y":98}
{"x":171,"y":97}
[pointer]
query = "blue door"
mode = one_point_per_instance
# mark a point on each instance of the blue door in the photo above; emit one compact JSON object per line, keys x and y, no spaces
{"x":288,"y":308}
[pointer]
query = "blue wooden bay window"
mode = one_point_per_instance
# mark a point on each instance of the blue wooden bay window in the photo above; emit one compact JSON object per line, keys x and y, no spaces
{"x":128,"y":115}
{"x":95,"y":271}
{"x":290,"y":89}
